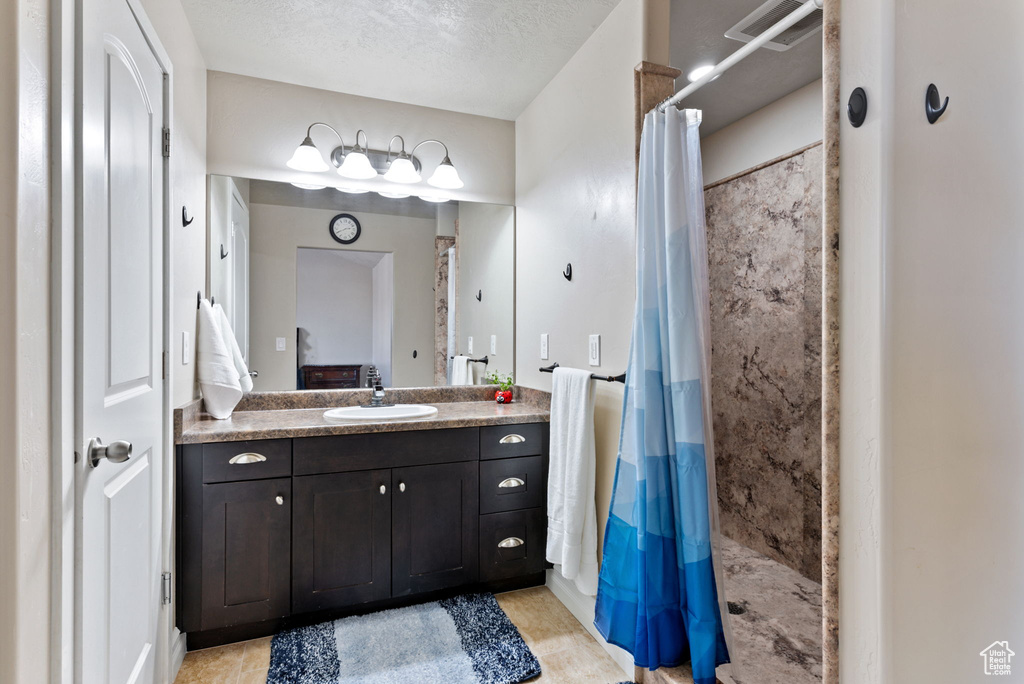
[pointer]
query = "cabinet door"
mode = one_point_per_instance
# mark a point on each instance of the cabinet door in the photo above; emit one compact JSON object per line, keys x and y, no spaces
{"x":245,"y":552}
{"x":341,"y":551}
{"x":436,"y":523}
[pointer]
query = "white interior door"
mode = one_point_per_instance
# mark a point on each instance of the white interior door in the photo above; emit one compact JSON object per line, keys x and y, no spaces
{"x":119,"y":340}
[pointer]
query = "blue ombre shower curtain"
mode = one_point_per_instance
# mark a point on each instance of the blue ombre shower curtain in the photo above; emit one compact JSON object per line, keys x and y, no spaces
{"x":659,"y":595}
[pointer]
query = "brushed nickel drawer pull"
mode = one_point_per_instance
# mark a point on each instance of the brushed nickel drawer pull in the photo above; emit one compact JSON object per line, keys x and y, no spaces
{"x":242,"y":459}
{"x":510,"y":482}
{"x":510,"y":543}
{"x":512,"y":439}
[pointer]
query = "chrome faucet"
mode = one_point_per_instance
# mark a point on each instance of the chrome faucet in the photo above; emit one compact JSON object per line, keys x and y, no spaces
{"x":373,"y":380}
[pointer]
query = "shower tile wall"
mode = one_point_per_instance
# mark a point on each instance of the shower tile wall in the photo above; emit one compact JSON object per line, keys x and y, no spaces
{"x":764,"y":251}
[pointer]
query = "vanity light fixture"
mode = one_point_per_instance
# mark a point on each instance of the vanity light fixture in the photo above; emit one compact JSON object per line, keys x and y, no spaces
{"x":357,"y":165}
{"x":445,"y":176}
{"x":309,"y":186}
{"x":353,"y":191}
{"x":393,"y":195}
{"x":359,"y":162}
{"x":433,"y":198}
{"x":401,"y":169}
{"x":307,"y":156}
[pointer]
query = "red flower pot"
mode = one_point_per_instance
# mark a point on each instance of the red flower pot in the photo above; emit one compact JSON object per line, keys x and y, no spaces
{"x":503,"y":397}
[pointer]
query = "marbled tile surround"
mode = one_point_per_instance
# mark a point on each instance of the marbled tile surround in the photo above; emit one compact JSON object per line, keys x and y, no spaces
{"x":764,"y":248}
{"x":442,"y":244}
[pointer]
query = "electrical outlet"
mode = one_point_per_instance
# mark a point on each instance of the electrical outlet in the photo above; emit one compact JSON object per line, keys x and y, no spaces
{"x":186,"y":349}
{"x":469,"y":346}
{"x":544,"y":346}
{"x":595,"y":350}
{"x":494,"y":344}
{"x":280,"y":344}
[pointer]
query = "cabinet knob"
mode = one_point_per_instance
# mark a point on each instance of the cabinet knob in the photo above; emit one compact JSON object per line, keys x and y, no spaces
{"x":401,"y":486}
{"x":383,"y":489}
{"x":279,"y":499}
{"x":512,"y":439}
{"x":510,"y":543}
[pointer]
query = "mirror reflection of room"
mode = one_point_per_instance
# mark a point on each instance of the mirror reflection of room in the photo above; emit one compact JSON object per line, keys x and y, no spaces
{"x":326,"y":288}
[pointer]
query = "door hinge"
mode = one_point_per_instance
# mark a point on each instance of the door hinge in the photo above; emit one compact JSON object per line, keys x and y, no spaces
{"x":167,"y":142}
{"x":166,"y":583}
{"x":163,"y":365}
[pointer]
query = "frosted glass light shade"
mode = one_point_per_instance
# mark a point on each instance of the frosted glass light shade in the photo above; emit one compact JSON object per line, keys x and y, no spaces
{"x":307,"y":158}
{"x":445,"y":176}
{"x":433,"y":198}
{"x":393,"y":195}
{"x":353,"y":191}
{"x":357,"y":166}
{"x":402,"y":170}
{"x":309,"y":186}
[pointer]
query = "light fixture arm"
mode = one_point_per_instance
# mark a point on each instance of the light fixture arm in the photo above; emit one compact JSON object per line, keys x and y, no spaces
{"x":366,"y":141}
{"x":391,"y":143}
{"x":321,"y":123}
{"x":431,"y":140}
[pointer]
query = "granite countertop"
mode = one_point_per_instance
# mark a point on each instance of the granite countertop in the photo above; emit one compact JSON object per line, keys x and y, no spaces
{"x":310,"y":422}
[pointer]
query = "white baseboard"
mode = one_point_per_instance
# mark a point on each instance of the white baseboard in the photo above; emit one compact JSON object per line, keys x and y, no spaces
{"x":582,"y":608}
{"x":177,"y":652}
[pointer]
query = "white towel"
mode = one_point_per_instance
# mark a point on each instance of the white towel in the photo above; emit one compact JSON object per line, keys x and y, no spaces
{"x":218,"y":376}
{"x":231,"y":342}
{"x":572,"y":514}
{"x":462,"y":371}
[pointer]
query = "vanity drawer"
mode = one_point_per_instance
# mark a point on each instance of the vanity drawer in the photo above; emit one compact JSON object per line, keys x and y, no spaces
{"x":510,"y":484}
{"x":344,"y":453}
{"x":507,"y":441}
{"x":250,"y":460}
{"x":512,"y":544}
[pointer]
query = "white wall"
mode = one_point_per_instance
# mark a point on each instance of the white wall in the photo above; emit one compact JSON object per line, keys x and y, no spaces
{"x":277,"y":232}
{"x":334,"y":305}
{"x":188,"y":184}
{"x":575,"y":202}
{"x":255,"y":125}
{"x":486,"y":255}
{"x":789,"y":123}
{"x":25,"y":498}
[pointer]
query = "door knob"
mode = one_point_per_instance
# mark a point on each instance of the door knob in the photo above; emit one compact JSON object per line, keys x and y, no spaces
{"x":116,"y":452}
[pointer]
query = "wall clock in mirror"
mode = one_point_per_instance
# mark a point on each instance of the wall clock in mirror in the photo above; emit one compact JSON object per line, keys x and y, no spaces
{"x":345,"y":228}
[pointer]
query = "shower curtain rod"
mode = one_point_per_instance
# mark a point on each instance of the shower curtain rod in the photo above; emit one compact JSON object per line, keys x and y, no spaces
{"x":738,"y":56}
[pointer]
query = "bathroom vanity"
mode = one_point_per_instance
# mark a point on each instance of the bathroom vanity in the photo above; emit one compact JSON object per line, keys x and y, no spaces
{"x":311,"y":519}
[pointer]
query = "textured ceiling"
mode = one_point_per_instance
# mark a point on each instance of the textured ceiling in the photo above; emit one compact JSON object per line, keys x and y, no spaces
{"x":698,"y":37}
{"x":486,"y":57}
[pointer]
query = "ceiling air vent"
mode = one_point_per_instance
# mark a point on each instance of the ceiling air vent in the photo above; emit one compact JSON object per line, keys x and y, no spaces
{"x":771,"y":13}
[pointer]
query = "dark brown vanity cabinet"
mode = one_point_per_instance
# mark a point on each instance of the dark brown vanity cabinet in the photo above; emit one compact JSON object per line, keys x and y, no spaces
{"x":274,"y":529}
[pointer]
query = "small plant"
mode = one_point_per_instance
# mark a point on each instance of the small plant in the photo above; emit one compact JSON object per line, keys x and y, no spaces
{"x":502,"y":380}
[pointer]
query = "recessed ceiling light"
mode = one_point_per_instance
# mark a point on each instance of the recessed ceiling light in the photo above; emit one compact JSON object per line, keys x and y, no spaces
{"x":700,"y":72}
{"x":353,"y":191}
{"x":309,"y":186}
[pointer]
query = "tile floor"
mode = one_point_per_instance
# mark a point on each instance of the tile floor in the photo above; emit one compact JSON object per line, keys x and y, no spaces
{"x":567,"y":653}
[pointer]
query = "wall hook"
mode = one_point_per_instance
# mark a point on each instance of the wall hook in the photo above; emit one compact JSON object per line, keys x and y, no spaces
{"x":199,"y":300}
{"x":185,"y":220}
{"x":567,"y":272}
{"x":931,"y":104}
{"x":857,"y":107}
{"x":223,"y":252}
{"x":479,"y":295}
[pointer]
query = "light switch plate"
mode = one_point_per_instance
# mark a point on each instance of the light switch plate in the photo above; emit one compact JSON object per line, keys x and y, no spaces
{"x":494,"y":344}
{"x":186,"y":349}
{"x":469,"y":346}
{"x":280,"y":344}
{"x":544,"y":346}
{"x":594,"y":350}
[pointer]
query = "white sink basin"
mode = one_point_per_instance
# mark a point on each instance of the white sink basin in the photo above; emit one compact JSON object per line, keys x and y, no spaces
{"x":395,"y":412}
